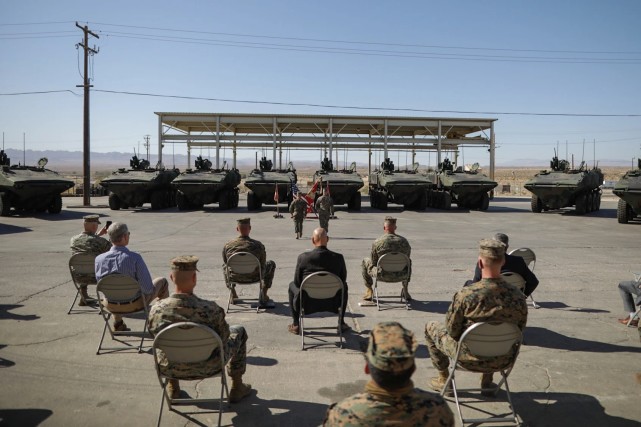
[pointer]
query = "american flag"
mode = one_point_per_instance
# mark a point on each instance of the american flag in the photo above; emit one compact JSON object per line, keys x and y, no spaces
{"x":294,"y":188}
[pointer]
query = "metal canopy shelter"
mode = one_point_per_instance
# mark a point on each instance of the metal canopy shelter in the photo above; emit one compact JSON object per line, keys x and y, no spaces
{"x":327,"y":132}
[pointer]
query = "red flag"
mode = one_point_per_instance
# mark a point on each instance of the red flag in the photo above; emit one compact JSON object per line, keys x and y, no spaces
{"x":276,"y":194}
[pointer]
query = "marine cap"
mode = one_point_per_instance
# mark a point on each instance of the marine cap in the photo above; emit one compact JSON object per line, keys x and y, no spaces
{"x":92,"y":218}
{"x":391,"y":347}
{"x":390,"y":219}
{"x":490,"y":248}
{"x":184,"y":263}
{"x":244,"y":221}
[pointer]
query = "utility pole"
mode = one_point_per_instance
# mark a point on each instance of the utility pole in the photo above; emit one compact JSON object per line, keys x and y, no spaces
{"x":86,"y":167}
{"x":147,"y":145}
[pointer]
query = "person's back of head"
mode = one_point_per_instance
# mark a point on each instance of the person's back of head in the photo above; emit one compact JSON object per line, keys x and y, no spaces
{"x":118,"y":232}
{"x":491,"y":258}
{"x":243,"y":225}
{"x":91,"y":223}
{"x":319,"y":237}
{"x":390,"y":355}
{"x":503,"y":238}
{"x":183,"y":273}
{"x":389,"y":225}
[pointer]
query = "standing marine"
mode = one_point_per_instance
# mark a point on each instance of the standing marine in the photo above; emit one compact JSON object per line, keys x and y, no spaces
{"x":325,"y":208}
{"x":298,"y":211}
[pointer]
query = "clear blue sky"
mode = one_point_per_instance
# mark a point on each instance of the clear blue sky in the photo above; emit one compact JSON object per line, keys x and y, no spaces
{"x":484,"y":57}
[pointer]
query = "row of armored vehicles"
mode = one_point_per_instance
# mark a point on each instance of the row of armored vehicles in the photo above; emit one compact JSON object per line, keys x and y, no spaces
{"x":36,"y":188}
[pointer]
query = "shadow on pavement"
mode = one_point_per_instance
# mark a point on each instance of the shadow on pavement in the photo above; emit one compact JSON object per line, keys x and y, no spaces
{"x":567,"y":409}
{"x":23,"y":417}
{"x":555,"y":305}
{"x":12,"y":229}
{"x":542,"y":337}
{"x":254,"y":411}
{"x":5,"y":363}
{"x":5,"y":315}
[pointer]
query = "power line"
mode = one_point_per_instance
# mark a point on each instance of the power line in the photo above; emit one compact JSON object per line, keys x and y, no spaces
{"x":373,"y":52}
{"x":363,"y":42}
{"x":39,"y":92}
{"x":301,"y":104}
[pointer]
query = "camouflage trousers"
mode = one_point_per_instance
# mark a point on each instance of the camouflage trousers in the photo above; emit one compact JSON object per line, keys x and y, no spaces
{"x":442,"y":346}
{"x":268,"y":276}
{"x":370,"y":270}
{"x":235,"y":359}
{"x":236,"y":350}
{"x":298,"y":225}
{"x":323,"y":218}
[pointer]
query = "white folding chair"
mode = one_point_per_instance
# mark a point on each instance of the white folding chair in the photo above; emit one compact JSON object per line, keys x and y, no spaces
{"x":321,"y":285}
{"x":242,"y":263}
{"x":637,"y":279}
{"x":120,"y":289}
{"x":529,"y":257}
{"x":514,"y":279}
{"x":486,"y":340}
{"x":81,"y":267}
{"x":392,"y":262}
{"x":187,"y":343}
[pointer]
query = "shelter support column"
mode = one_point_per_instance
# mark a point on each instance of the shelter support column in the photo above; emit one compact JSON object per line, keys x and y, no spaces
{"x":217,"y":142}
{"x":234,"y":151}
{"x":492,"y":151}
{"x":331,"y":134}
{"x":274,"y":127}
{"x":385,"y":141}
{"x":159,"y":139}
{"x":438,"y":148}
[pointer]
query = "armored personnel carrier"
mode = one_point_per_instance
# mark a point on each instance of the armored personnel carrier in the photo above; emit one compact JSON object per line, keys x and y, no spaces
{"x":402,"y":187}
{"x":468,"y":189}
{"x":343,"y":184}
{"x":629,"y":190}
{"x":203,"y":185}
{"x":30,"y":187}
{"x":562,"y":187}
{"x":130,"y":188}
{"x":262,"y":185}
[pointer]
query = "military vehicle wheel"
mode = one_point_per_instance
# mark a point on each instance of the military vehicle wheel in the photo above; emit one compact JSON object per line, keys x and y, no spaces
{"x":5,"y":205}
{"x":622,"y":212}
{"x":382,"y":205}
{"x":114,"y":202}
{"x":447,"y":201}
{"x":157,"y":200}
{"x":595,"y":202}
{"x":252,"y":201}
{"x":372,"y":199}
{"x":56,"y":205}
{"x":485,"y":202}
{"x":182,"y":202}
{"x":223,"y":200}
{"x":580,"y":204}
{"x":355,"y":202}
{"x":124,"y":205}
{"x":422,"y":201}
{"x":236,"y":198}
{"x":598,"y":202}
{"x":536,"y":203}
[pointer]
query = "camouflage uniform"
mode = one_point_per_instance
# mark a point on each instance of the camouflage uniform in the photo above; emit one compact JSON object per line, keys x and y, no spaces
{"x":391,"y":349}
{"x":487,"y":300}
{"x":190,"y":308}
{"x":298,"y":208}
{"x":325,"y":209}
{"x":388,"y":242}
{"x":256,"y":248}
{"x":89,"y":243}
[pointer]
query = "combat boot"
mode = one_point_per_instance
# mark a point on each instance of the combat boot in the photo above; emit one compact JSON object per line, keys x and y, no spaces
{"x":84,"y":297}
{"x":238,"y":389}
{"x":173,"y":389}
{"x":489,"y":388}
{"x":437,"y":383}
{"x":368,"y":294}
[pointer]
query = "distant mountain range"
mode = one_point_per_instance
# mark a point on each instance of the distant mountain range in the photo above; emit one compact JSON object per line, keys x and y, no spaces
{"x":72,"y":161}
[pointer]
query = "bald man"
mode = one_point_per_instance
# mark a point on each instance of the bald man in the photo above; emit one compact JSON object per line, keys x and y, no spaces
{"x":317,"y":259}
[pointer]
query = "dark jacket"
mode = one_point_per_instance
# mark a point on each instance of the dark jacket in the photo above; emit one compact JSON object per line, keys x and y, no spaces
{"x":515,"y":264}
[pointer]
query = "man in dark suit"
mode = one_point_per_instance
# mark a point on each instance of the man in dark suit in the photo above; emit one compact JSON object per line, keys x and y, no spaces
{"x":513,"y":263}
{"x":318,"y":259}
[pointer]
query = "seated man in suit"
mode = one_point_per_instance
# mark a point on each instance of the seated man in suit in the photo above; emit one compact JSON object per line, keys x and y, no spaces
{"x":318,"y":259}
{"x":513,"y":263}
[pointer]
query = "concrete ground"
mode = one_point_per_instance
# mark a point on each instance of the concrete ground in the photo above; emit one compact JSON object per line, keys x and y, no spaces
{"x":578,"y":367}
